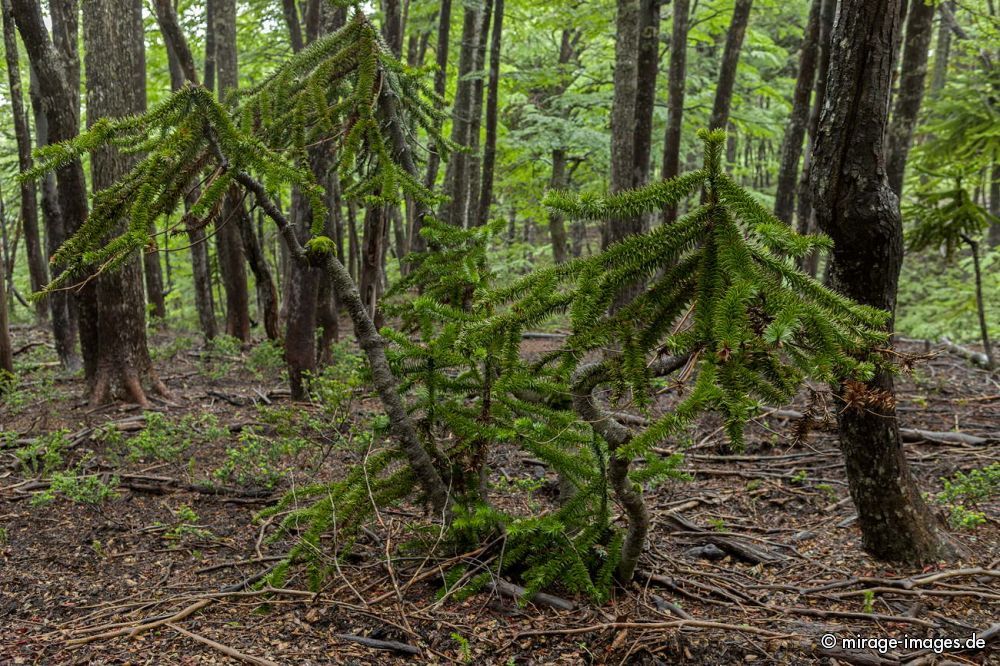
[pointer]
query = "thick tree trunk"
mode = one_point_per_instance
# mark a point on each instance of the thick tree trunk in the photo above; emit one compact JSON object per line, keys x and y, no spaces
{"x":64,"y":199}
{"x":919,"y":28}
{"x":856,"y":207}
{"x":492,"y":96}
{"x":730,"y":60}
{"x":676,"y":75}
{"x":116,"y":87}
{"x":301,"y":294}
{"x":228,"y":239}
{"x":647,"y":69}
{"x":791,"y":147}
{"x":29,"y":193}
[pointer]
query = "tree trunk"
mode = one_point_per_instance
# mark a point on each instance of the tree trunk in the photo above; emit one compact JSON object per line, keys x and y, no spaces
{"x":417,"y":243}
{"x":228,"y":239}
{"x":942,"y":50}
{"x":805,"y":220}
{"x":182,"y":68}
{"x":791,"y":147}
{"x":267,"y":293}
{"x":456,"y":173}
{"x":490,"y":150}
{"x":6,"y":353}
{"x":301,"y":294}
{"x":994,"y":232}
{"x":210,"y":28}
{"x":856,"y":207}
{"x":730,"y":60}
{"x":392,"y":25}
{"x":371,"y":278}
{"x":919,"y":27}
{"x":475,"y":158}
{"x":56,"y":102}
{"x":647,"y":68}
{"x":29,"y":193}
{"x":675,"y":98}
{"x":984,"y":330}
{"x":116,"y":87}
{"x":557,"y":225}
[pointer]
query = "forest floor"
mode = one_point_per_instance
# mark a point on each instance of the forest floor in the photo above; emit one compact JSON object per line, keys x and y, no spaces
{"x":753,"y":560}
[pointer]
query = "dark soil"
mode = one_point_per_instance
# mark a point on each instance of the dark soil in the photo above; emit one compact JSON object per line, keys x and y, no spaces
{"x":777,"y":517}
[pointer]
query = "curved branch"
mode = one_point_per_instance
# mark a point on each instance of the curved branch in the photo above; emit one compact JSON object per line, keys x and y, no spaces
{"x":585,"y":380}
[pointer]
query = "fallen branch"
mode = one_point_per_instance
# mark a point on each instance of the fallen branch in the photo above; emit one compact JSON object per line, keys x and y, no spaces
{"x":224,"y":649}
{"x":131,"y":632}
{"x":910,"y":434}
{"x":517,"y":592}
{"x":674,"y":624}
{"x":380,"y":645}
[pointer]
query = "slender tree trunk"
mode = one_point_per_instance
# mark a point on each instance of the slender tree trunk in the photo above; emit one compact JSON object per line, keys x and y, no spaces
{"x":919,"y":28}
{"x":675,"y":98}
{"x":371,"y":278}
{"x":456,"y":173}
{"x":392,"y":25}
{"x":210,"y":30}
{"x":557,"y":225}
{"x":56,"y":105}
{"x":856,"y":207}
{"x":22,"y":134}
{"x":6,"y":353}
{"x":791,"y":147}
{"x":994,"y":232}
{"x":417,"y":242}
{"x":984,"y":330}
{"x":492,"y":96}
{"x":942,"y":50}
{"x":730,"y":59}
{"x":475,"y":158}
{"x":623,"y":117}
{"x":228,"y":239}
{"x":182,"y":68}
{"x":116,"y":87}
{"x":291,"y":12}
{"x":154,"y":278}
{"x":267,"y":293}
{"x":805,"y":220}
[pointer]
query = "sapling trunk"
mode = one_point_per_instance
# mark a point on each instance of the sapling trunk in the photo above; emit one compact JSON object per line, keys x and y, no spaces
{"x":980,"y":305}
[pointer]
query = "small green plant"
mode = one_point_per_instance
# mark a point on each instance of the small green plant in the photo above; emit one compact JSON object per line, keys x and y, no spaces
{"x":184,"y":525}
{"x":960,"y":517}
{"x":827,"y":490}
{"x":972,"y":488}
{"x":79,"y":488}
{"x":257,"y":460}
{"x":98,"y":548}
{"x":265,"y":359}
{"x":717,"y":524}
{"x":754,"y":484}
{"x":463,"y":646}
{"x":869,"y":601}
{"x":44,"y":454}
{"x":224,"y":352}
{"x":978,"y":485}
{"x":4,"y":537}
{"x":799,"y":478}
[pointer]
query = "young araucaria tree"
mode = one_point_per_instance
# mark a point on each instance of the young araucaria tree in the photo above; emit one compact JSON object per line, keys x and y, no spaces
{"x":723,"y":313}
